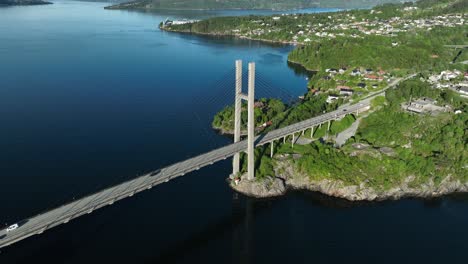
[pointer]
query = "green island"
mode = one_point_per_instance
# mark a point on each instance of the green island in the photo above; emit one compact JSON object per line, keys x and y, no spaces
{"x":410,"y":59}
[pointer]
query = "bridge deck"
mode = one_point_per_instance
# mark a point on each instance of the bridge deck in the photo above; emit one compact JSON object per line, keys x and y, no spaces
{"x":67,"y":212}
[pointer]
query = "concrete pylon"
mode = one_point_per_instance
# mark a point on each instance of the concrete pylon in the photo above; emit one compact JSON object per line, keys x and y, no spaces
{"x":250,"y":97}
{"x":272,"y":145}
{"x":237,"y":116}
{"x":251,"y":124}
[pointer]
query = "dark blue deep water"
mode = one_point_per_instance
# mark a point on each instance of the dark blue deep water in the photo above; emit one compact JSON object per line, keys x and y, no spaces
{"x":90,"y":97}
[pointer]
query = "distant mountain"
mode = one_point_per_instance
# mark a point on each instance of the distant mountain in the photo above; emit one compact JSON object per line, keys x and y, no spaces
{"x":23,"y":2}
{"x":247,"y":4}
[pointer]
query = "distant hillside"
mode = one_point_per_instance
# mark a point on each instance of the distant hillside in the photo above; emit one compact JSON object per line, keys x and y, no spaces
{"x":247,"y":4}
{"x":23,"y":2}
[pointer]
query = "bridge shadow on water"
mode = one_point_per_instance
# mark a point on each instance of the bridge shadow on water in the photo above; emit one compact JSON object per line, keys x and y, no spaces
{"x":240,"y":222}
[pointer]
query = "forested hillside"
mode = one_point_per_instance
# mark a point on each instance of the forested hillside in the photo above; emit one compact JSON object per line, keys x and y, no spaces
{"x":247,"y":4}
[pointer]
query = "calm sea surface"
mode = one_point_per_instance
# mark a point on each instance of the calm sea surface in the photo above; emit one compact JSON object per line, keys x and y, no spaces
{"x":91,"y":97}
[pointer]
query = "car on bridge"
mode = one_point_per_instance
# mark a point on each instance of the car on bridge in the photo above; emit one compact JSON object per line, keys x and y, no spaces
{"x":12,"y":227}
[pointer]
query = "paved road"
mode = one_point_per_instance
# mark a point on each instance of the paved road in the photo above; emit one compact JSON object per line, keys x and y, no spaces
{"x":342,"y":137}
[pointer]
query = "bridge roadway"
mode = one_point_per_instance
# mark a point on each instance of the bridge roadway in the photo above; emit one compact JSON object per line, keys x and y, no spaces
{"x":65,"y":213}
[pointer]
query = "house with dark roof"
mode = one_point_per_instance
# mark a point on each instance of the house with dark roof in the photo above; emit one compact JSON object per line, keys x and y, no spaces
{"x":346,"y":91}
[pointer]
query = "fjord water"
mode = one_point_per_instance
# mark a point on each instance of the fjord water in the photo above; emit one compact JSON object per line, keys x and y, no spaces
{"x":91,"y":97}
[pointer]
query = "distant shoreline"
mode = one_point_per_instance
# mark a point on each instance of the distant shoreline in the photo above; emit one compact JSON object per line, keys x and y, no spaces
{"x":24,"y":3}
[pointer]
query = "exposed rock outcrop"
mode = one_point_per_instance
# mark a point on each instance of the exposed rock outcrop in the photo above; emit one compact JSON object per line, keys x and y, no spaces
{"x":288,"y":177}
{"x":267,"y":187}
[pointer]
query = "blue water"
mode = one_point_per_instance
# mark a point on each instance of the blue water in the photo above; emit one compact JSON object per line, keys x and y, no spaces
{"x":90,"y":97}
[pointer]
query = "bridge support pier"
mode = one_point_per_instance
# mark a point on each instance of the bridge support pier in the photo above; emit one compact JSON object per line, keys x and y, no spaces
{"x":293,"y":139}
{"x":272,"y":148}
{"x":312,"y":132}
{"x":237,"y":116}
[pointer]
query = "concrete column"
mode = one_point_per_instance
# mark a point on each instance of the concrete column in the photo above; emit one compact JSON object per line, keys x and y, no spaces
{"x":329,"y":123}
{"x":303,"y":132}
{"x":271,"y":150}
{"x":284,"y":140}
{"x":357,"y":112}
{"x":237,"y":116}
{"x":293,"y":139}
{"x":251,"y":123}
{"x":312,"y":132}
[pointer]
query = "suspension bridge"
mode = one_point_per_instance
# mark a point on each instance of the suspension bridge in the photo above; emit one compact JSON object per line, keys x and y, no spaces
{"x":63,"y":214}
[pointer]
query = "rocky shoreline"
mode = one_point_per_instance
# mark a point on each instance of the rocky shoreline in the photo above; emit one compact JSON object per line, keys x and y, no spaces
{"x":287,"y":178}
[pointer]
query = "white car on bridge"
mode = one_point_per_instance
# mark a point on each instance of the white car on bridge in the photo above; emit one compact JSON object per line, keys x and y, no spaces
{"x":12,"y":227}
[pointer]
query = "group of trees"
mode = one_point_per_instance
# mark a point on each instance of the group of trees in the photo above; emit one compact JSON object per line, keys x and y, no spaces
{"x":271,"y":109}
{"x":415,"y":89}
{"x":277,"y":112}
{"x":430,"y":146}
{"x":414,"y":51}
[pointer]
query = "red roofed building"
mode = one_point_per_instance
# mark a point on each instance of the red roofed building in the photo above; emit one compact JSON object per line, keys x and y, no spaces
{"x":372,"y":77}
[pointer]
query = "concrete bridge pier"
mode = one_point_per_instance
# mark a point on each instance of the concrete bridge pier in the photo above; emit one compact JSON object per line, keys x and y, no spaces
{"x":293,"y":140}
{"x":312,"y":132}
{"x":272,"y":144}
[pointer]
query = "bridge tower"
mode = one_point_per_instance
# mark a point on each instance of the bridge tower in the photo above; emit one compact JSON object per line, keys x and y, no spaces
{"x":250,"y":98}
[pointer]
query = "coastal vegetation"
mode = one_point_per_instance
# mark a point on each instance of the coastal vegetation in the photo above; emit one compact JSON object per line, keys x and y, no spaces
{"x":411,"y":52}
{"x":245,"y":4}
